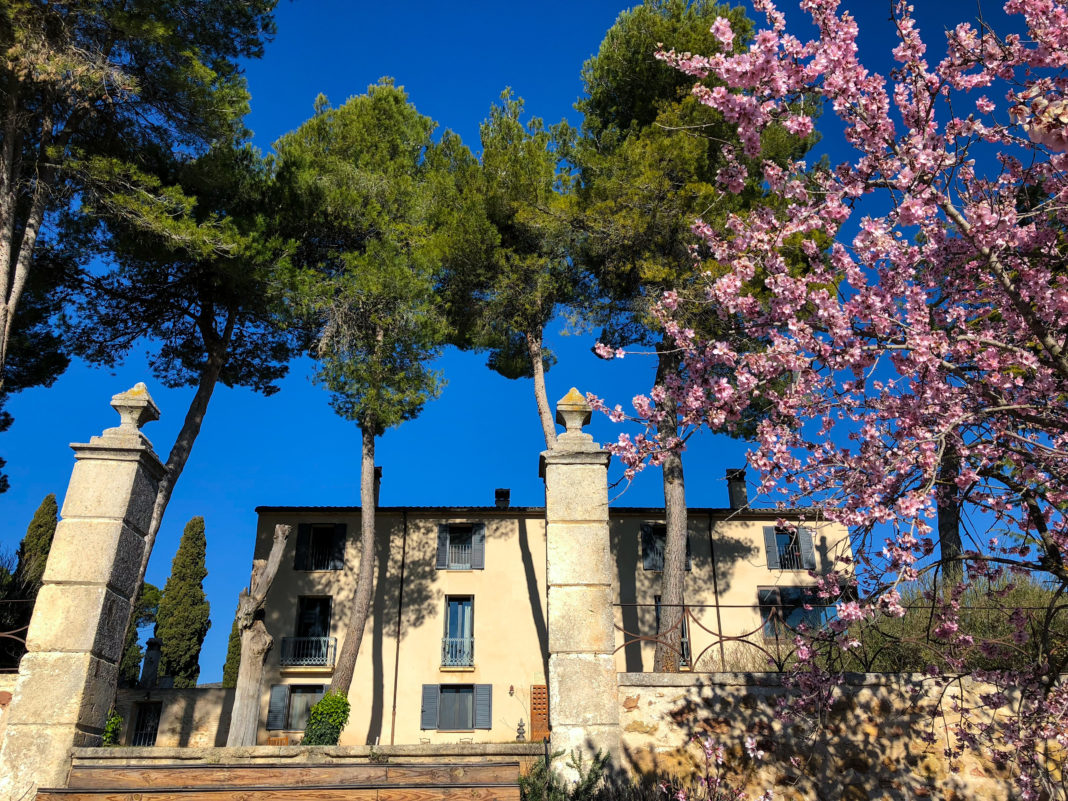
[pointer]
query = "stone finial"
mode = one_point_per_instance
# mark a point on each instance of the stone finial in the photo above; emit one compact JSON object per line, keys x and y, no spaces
{"x":135,"y":407}
{"x":572,"y":411}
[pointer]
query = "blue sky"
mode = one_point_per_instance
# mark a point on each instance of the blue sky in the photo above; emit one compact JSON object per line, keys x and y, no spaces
{"x":290,"y":449}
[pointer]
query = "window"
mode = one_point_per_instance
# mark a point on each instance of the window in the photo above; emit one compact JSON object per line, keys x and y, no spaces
{"x":146,"y":724}
{"x":461,"y":547}
{"x":320,"y":546}
{"x":653,"y":538}
{"x":456,"y":707}
{"x":684,"y":645}
{"x":789,"y":549}
{"x":458,"y":644}
{"x":783,"y":610}
{"x":311,"y":645}
{"x":288,"y":710}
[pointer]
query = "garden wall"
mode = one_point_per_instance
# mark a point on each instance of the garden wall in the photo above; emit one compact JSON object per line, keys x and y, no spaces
{"x":869,"y":747}
{"x":189,"y":718}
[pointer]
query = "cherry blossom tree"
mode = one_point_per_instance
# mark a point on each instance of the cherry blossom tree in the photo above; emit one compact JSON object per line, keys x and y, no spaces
{"x":933,"y":329}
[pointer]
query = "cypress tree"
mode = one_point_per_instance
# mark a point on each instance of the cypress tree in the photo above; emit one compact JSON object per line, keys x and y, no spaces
{"x":183,"y":617}
{"x":33,"y":550}
{"x":233,"y":657}
{"x":145,"y":609}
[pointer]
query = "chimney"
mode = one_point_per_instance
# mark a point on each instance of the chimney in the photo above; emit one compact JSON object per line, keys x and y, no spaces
{"x":150,"y":667}
{"x":737,"y":494}
{"x":502,"y":496}
{"x":378,"y":484}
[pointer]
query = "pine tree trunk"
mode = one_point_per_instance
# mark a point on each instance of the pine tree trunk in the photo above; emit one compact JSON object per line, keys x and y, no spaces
{"x":541,"y":395}
{"x":949,"y":540}
{"x":183,"y":444}
{"x":256,"y":642}
{"x":361,"y":603}
{"x":244,"y":719}
{"x":672,"y":597}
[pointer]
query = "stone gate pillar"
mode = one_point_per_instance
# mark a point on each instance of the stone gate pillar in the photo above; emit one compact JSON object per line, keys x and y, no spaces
{"x":583,"y":707}
{"x":67,"y":678}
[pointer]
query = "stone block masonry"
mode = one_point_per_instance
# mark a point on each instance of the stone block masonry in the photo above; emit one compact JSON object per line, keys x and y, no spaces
{"x":582,"y":673}
{"x":67,"y":679}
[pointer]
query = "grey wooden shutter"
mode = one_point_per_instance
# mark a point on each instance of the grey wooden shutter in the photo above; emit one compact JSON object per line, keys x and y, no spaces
{"x":428,"y":718}
{"x":771,"y":547}
{"x":303,"y":546}
{"x":648,"y":555}
{"x":478,"y":547}
{"x":276,"y":712}
{"x":337,"y":547}
{"x":443,"y":552}
{"x":483,"y":706}
{"x":808,"y":552}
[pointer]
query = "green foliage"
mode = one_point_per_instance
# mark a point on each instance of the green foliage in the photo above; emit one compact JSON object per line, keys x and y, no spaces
{"x":326,"y":720}
{"x":909,"y":643}
{"x":214,"y":297}
{"x":233,"y":657}
{"x":543,"y":784}
{"x":364,"y":188}
{"x":34,"y":548}
{"x":182,"y":620}
{"x":112,"y":730}
{"x":504,"y":289}
{"x":144,"y":614}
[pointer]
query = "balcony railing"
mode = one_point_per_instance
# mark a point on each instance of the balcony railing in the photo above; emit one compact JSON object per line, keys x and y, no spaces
{"x":790,"y":557}
{"x":459,"y":555}
{"x":308,"y":651}
{"x":457,"y":651}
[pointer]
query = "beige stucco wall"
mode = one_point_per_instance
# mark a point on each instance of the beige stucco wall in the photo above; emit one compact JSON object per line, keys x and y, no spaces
{"x":729,"y":565}
{"x":510,"y":637}
{"x":509,"y":620}
{"x":190,"y":718}
{"x":869,"y":746}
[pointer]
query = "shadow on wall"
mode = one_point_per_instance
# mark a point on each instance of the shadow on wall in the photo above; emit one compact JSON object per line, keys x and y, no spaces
{"x":188,"y":718}
{"x":869,"y":744}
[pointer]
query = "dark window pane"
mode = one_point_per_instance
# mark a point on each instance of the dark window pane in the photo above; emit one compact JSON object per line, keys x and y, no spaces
{"x":301,"y":699}
{"x":456,"y":708}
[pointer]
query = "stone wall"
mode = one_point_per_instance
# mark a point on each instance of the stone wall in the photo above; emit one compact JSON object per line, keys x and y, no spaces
{"x":7,"y":687}
{"x":190,"y":718}
{"x":869,"y":747}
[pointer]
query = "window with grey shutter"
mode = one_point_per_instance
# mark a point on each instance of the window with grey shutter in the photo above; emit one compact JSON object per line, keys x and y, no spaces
{"x":652,"y":556}
{"x":428,"y":717}
{"x":478,"y":547}
{"x":808,"y":551}
{"x":337,"y":548}
{"x":483,"y":706}
{"x":442,"y":561}
{"x":771,"y":547}
{"x":303,"y":546}
{"x":279,"y":706}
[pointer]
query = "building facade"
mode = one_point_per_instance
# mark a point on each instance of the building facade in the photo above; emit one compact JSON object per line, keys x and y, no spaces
{"x":456,"y":648}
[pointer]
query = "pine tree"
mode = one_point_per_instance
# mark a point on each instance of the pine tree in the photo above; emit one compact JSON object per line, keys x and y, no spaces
{"x":183,"y":617}
{"x":233,"y":657}
{"x":33,"y":550}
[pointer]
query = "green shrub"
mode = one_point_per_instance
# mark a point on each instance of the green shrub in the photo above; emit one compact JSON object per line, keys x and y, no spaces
{"x":542,"y":784}
{"x":326,"y":720}
{"x":112,"y":729}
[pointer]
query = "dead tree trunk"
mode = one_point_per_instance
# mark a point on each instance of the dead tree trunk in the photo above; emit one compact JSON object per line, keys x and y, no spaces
{"x":255,"y":643}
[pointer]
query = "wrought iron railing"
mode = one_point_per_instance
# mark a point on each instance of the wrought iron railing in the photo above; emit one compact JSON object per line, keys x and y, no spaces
{"x":308,"y":651}
{"x":459,"y":555}
{"x":320,"y":555}
{"x":14,"y":621}
{"x":790,"y":558}
{"x":457,"y":651}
